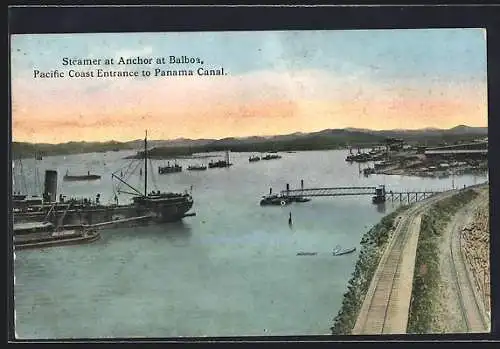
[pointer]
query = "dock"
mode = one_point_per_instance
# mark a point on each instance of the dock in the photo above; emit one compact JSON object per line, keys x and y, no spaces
{"x":379,"y":194}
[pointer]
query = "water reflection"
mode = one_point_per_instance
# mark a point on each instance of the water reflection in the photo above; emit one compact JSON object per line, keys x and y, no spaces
{"x":381,"y":208}
{"x":177,"y":233}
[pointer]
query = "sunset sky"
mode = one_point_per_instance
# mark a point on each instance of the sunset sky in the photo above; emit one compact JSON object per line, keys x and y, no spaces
{"x":276,"y":83}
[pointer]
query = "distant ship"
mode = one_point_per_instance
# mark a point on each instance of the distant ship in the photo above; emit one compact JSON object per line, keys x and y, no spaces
{"x":87,"y":177}
{"x":169,"y":169}
{"x":197,"y":168}
{"x":271,"y":157}
{"x":220,"y":163}
{"x":307,"y":253}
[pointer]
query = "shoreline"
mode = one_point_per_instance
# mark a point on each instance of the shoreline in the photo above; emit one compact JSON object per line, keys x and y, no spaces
{"x":436,"y":174}
{"x":373,"y":245}
{"x":426,"y":285}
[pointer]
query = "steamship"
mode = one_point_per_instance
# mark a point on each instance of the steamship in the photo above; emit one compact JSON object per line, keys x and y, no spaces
{"x":158,"y":206}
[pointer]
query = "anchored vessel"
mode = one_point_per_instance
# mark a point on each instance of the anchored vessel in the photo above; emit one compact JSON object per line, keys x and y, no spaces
{"x":271,"y":157}
{"x":197,"y":168}
{"x":307,"y":253}
{"x":220,"y":163}
{"x":164,"y":207}
{"x":156,"y":205}
{"x":169,"y":169}
{"x":45,"y":234}
{"x":87,"y":177}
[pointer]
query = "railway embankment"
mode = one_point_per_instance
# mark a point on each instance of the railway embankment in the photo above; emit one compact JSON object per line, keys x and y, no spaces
{"x":433,"y":275}
{"x":373,"y":245}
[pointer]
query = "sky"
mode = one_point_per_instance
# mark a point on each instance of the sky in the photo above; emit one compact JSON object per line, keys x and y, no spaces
{"x":274,"y":82}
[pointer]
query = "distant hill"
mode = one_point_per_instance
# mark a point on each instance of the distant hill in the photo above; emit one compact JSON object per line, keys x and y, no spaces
{"x":325,"y":139}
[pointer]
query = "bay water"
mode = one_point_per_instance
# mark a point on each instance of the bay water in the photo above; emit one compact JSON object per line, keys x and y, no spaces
{"x":232,"y":270}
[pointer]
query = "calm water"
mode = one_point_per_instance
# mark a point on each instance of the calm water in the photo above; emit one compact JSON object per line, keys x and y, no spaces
{"x":230,"y":271}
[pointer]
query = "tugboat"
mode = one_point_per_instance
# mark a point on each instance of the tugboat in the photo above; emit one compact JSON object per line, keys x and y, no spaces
{"x":87,"y":177}
{"x":253,"y":158}
{"x":197,"y":168}
{"x":169,"y":169}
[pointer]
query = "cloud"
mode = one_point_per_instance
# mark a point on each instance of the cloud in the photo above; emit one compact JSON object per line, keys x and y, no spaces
{"x":262,"y":102}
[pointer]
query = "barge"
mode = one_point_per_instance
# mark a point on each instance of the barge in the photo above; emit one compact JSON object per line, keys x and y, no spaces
{"x":44,"y":234}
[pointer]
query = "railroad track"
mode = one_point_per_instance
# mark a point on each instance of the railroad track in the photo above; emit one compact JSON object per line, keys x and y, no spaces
{"x":381,"y":296}
{"x":470,"y":308}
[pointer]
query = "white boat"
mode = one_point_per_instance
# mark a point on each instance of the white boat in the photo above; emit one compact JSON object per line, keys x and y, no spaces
{"x":339,"y":251}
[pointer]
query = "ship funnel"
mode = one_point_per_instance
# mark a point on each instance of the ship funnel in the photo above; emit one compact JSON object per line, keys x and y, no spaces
{"x":50,"y":189}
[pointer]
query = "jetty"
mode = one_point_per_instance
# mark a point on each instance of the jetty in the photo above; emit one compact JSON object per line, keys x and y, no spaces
{"x":379,"y":194}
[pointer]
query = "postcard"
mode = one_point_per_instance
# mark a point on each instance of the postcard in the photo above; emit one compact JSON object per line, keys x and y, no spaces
{"x":263,"y":183}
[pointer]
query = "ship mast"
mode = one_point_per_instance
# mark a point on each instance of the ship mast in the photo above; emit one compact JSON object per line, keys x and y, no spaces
{"x":146,"y":164}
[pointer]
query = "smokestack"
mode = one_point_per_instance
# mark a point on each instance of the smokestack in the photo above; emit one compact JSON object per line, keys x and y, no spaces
{"x":50,"y":189}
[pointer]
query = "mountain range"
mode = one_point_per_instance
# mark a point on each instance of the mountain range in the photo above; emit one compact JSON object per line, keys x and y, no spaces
{"x":354,"y":133}
{"x":325,"y":139}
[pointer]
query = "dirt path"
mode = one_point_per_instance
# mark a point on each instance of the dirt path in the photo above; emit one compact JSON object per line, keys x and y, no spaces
{"x":462,"y":309}
{"x":386,"y":304}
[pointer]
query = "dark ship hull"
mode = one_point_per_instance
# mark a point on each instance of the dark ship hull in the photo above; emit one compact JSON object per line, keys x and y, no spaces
{"x":165,"y":207}
{"x":219,"y":164}
{"x":167,"y":170}
{"x":79,"y":214}
{"x":274,"y":201}
{"x":299,"y":199}
{"x":197,"y":168}
{"x":70,"y":178}
{"x":162,"y":211}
